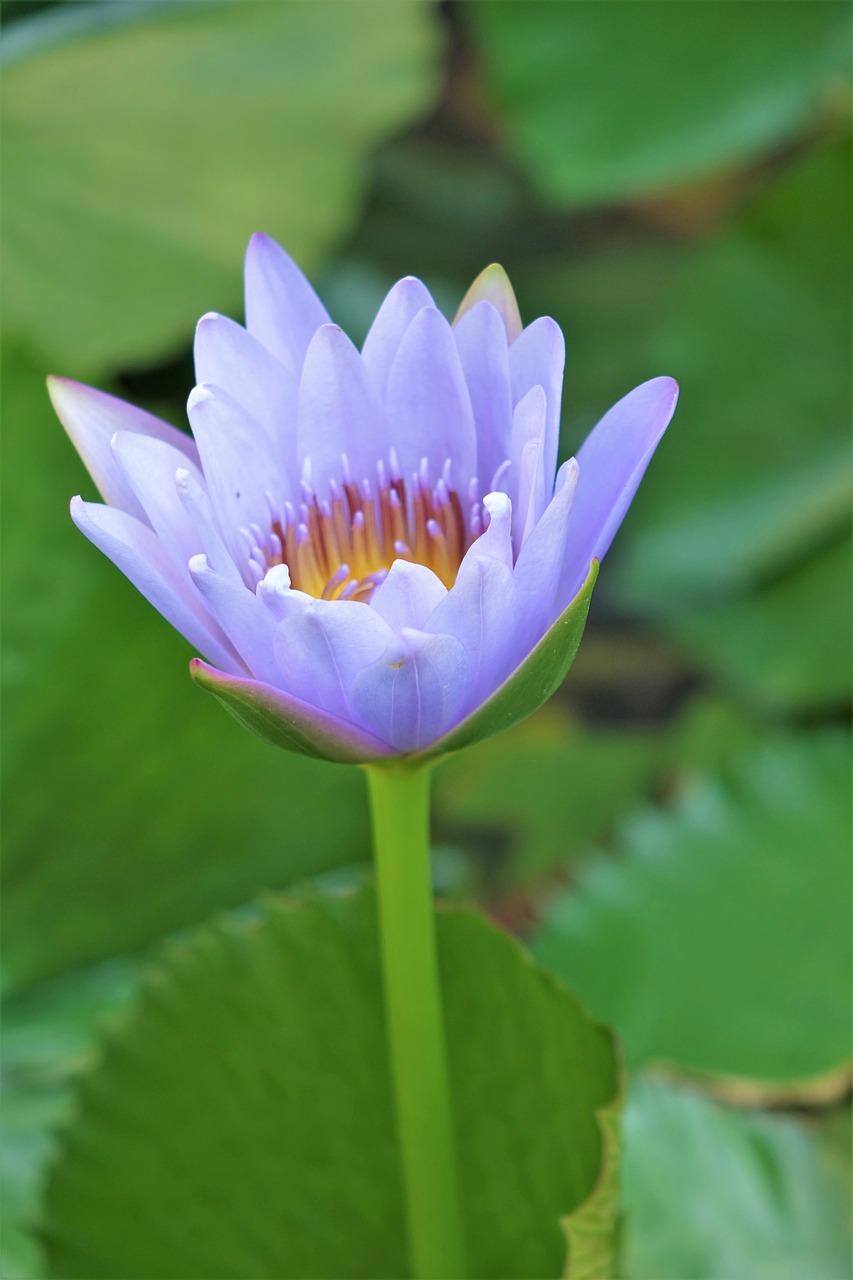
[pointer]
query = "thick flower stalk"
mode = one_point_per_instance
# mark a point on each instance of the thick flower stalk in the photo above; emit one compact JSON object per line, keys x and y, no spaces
{"x":365,"y":547}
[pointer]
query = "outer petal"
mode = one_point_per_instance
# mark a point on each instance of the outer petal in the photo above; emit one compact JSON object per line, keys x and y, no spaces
{"x":479,"y":610}
{"x":613,"y":461}
{"x":225,"y":354}
{"x":240,"y":463}
{"x":339,"y":412}
{"x":136,"y":550}
{"x":538,"y":358}
{"x":408,"y":595}
{"x":198,"y":507}
{"x":286,"y":721}
{"x":481,"y":340}
{"x":393,"y":318}
{"x":492,"y":285}
{"x":320,"y":649}
{"x":243,"y":617}
{"x":92,"y":418}
{"x":527,"y":452}
{"x":150,"y":467}
{"x":415,"y":691}
{"x":428,"y":401}
{"x":282,"y":310}
{"x":540,"y":562}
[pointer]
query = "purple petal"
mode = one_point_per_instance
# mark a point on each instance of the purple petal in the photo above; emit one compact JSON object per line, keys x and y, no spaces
{"x":197,"y":505}
{"x":282,"y":310}
{"x":320,"y":649}
{"x":92,"y":418}
{"x":244,"y":619}
{"x":481,"y":341}
{"x":492,"y":285}
{"x":229,"y":357}
{"x":279,"y":597}
{"x":538,"y":358}
{"x":288,"y":721}
{"x":527,"y":452}
{"x":339,"y":412}
{"x":497,"y":540}
{"x":479,"y":610}
{"x":613,"y":461}
{"x":408,"y":595}
{"x":239,"y":461}
{"x":136,"y":550}
{"x":428,"y":401}
{"x":150,"y":467}
{"x":538,"y":568}
{"x":393,"y":318}
{"x":414,"y":692}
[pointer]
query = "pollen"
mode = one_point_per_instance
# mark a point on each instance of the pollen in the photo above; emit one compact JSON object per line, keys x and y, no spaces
{"x":341,"y":547}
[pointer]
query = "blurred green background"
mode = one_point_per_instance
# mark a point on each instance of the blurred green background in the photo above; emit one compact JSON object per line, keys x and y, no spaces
{"x":671,"y":183}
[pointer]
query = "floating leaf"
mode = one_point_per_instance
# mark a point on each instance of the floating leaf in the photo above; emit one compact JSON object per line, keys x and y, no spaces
{"x":601,"y":102}
{"x":251,"y":1088}
{"x":713,"y":1192}
{"x":141,"y":153}
{"x":718,"y":942}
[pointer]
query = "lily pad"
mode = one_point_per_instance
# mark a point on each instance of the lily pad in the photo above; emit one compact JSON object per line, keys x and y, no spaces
{"x":240,"y":1123}
{"x":718,"y":942}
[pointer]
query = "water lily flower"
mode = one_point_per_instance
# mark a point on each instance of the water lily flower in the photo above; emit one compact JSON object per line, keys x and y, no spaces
{"x":370,"y":549}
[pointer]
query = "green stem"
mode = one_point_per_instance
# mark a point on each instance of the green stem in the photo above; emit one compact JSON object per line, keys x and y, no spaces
{"x":399,"y":802}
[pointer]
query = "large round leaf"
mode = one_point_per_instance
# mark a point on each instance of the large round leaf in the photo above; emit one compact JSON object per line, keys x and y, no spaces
{"x":713,"y":1192}
{"x":719,"y":942}
{"x":144,"y":144}
{"x":241,"y":1125}
{"x":607,"y":101}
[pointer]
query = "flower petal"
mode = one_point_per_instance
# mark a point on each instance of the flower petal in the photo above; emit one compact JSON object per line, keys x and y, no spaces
{"x":428,"y":401}
{"x":492,"y":285}
{"x":538,"y":358}
{"x":320,"y":649}
{"x":414,"y":691}
{"x":198,"y":507}
{"x":339,"y":413}
{"x":479,"y":610}
{"x":540,"y":561}
{"x":393,"y":318}
{"x":135,"y":549}
{"x":225,"y":354}
{"x":150,"y":467}
{"x":527,"y":452}
{"x":282,"y":310}
{"x":408,"y":595}
{"x":240,"y":464}
{"x":288,"y":722}
{"x":243,"y":617}
{"x":497,"y":539}
{"x":92,"y":418}
{"x":481,"y":341}
{"x":613,"y":460}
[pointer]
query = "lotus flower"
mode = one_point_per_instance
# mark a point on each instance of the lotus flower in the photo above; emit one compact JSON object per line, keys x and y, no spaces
{"x":371,"y":550}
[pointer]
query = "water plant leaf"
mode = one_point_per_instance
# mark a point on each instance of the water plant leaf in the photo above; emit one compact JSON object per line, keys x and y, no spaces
{"x":140,"y":155}
{"x":716,"y":1192}
{"x":253,"y":1075}
{"x":717,"y":942}
{"x":606,"y":102}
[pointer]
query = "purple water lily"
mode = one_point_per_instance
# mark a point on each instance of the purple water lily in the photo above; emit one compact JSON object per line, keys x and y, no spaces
{"x":365,"y":547}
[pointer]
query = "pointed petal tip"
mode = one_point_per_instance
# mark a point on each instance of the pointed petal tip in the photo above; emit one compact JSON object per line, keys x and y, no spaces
{"x":493,"y":285}
{"x":201,"y":393}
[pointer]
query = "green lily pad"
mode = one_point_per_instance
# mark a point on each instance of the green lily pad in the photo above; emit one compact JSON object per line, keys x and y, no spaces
{"x":718,"y":941}
{"x":602,"y":102}
{"x":714,"y":1192}
{"x":240,"y":1123}
{"x":141,"y":153}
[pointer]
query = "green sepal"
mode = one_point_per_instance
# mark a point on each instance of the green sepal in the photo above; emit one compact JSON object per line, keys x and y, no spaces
{"x":531,"y":683}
